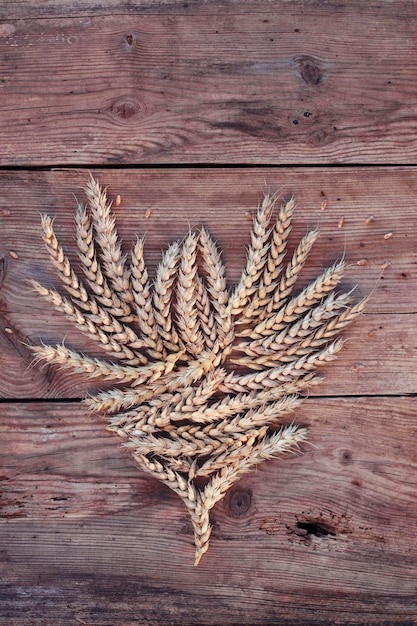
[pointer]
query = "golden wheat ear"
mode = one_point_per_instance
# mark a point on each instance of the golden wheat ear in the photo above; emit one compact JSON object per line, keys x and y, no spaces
{"x":207,"y":376}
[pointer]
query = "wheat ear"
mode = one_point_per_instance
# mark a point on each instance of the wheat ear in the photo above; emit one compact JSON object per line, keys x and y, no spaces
{"x":208,"y":326}
{"x":231,"y":468}
{"x":273,"y":266}
{"x":216,"y":280}
{"x":257,"y":256}
{"x":117,"y":345}
{"x":294,"y":333}
{"x":281,"y":374}
{"x":298,"y":305}
{"x":292,"y":271}
{"x":187,"y":317}
{"x":82,"y":364}
{"x":143,"y":303}
{"x":163,"y":297}
{"x":91,"y":267}
{"x":80,"y":298}
{"x":114,"y":262}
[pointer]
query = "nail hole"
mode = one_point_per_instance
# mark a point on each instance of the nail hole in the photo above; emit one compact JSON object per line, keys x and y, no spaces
{"x":346,"y":457}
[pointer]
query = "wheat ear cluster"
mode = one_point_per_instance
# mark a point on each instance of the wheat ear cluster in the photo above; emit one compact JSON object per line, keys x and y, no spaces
{"x":206,"y":376}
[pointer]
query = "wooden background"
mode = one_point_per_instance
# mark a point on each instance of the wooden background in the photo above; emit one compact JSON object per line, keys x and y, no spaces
{"x":190,"y":109}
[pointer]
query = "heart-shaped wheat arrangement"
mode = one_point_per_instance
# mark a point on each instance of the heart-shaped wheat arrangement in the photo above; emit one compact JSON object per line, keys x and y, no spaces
{"x":209,"y":374}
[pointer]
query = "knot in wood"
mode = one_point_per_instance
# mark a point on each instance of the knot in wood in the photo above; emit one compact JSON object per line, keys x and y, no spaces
{"x":124,"y":108}
{"x":239,"y":502}
{"x":129,"y":40}
{"x":309,"y":69}
{"x":346,"y":457}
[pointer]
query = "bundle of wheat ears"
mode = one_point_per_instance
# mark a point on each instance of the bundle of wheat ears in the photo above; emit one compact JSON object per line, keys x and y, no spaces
{"x":208,"y":373}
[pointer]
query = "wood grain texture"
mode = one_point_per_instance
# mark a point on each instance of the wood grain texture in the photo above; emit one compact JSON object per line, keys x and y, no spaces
{"x":213,"y":82}
{"x":154,"y":95}
{"x":381,"y":346}
{"x":323,"y":538}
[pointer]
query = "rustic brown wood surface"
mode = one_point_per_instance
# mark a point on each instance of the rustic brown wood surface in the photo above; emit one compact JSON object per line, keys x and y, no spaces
{"x":325,"y":538}
{"x":141,"y":93}
{"x":207,"y":82}
{"x":336,"y":525}
{"x":163,"y":204}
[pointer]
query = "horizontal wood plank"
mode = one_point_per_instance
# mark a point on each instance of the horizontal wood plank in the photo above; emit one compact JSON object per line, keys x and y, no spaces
{"x":380,"y":356}
{"x":27,"y":9}
{"x":323,"y":537}
{"x":218,"y":82}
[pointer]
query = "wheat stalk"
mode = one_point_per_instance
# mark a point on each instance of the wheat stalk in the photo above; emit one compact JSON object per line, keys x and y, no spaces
{"x":207,"y":376}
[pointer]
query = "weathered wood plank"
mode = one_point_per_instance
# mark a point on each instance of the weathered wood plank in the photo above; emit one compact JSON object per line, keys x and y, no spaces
{"x":325,"y":537}
{"x":380,"y":356}
{"x":220,"y":82}
{"x":27,"y":9}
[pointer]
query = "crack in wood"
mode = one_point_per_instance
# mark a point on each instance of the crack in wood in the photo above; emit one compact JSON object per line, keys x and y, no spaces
{"x":3,"y":269}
